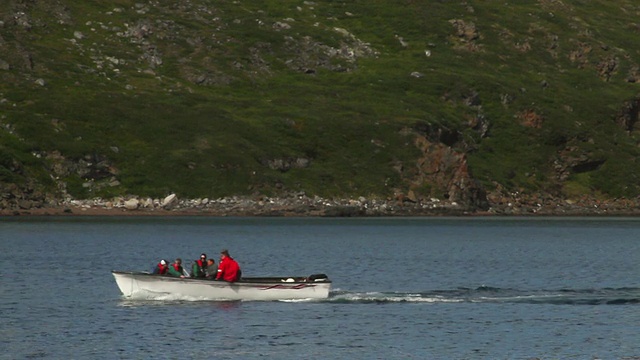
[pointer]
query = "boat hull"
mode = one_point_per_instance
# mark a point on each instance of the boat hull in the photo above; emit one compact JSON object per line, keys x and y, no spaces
{"x":134,"y":284}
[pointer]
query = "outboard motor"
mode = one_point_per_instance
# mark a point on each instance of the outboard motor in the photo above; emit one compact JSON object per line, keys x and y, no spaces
{"x":317,"y":277}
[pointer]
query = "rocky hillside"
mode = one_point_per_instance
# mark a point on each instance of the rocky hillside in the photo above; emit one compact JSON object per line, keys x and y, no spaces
{"x":476,"y":104}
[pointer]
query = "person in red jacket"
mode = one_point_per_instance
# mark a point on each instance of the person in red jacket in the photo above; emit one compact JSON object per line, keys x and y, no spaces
{"x":228,"y":269}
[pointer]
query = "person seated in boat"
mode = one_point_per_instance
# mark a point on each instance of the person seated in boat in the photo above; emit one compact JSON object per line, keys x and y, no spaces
{"x":212,"y":269}
{"x":161,"y":268}
{"x":199,"y":268}
{"x":228,"y":269}
{"x":176,"y":269}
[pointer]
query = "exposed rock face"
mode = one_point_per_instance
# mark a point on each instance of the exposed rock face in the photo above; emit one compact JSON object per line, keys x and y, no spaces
{"x":466,"y":35}
{"x":634,"y":74}
{"x":529,"y":118}
{"x":572,"y":160}
{"x":607,"y":67}
{"x":465,"y":30}
{"x":287,"y":164}
{"x":25,"y":197}
{"x":580,"y":55}
{"x":91,"y":166}
{"x":628,"y":116}
{"x":442,"y":171}
{"x":446,"y":171}
{"x":310,"y":55}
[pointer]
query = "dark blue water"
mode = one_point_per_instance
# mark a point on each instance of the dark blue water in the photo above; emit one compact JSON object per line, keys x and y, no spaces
{"x":435,"y":288}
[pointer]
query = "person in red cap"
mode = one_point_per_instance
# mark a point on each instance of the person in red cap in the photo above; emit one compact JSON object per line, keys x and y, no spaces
{"x":161,"y":268}
{"x":228,"y":269}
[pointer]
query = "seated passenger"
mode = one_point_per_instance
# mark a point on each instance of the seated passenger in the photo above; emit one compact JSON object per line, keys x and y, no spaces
{"x":161,"y":268}
{"x":228,"y":269}
{"x":199,"y":268}
{"x":212,"y":269}
{"x":176,"y":269}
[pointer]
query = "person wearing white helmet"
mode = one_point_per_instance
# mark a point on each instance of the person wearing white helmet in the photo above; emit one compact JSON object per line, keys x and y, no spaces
{"x":161,"y":268}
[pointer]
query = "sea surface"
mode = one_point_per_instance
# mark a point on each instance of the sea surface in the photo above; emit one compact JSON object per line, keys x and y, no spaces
{"x":403,"y":288}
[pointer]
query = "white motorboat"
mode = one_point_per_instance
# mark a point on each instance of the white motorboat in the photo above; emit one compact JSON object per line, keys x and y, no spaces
{"x":144,"y":284}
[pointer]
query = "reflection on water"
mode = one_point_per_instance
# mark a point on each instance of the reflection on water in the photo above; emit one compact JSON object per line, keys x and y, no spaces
{"x":219,"y":305}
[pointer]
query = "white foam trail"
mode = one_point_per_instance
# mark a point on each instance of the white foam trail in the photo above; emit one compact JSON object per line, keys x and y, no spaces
{"x":299,"y":300}
{"x":385,"y":297}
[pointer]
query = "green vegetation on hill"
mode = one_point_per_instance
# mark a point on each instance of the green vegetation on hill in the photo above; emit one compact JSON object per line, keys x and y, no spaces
{"x":209,"y":99}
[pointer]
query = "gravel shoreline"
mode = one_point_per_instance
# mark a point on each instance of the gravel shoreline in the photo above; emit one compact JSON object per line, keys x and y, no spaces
{"x":303,"y":206}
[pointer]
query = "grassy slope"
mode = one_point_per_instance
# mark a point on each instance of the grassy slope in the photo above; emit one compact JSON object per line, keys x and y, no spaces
{"x":173,"y":135}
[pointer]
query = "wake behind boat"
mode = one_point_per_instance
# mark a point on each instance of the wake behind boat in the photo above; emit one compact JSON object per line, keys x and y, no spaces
{"x":254,"y":288}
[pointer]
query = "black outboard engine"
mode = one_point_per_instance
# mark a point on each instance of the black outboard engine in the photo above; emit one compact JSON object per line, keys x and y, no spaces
{"x":317,"y":277}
